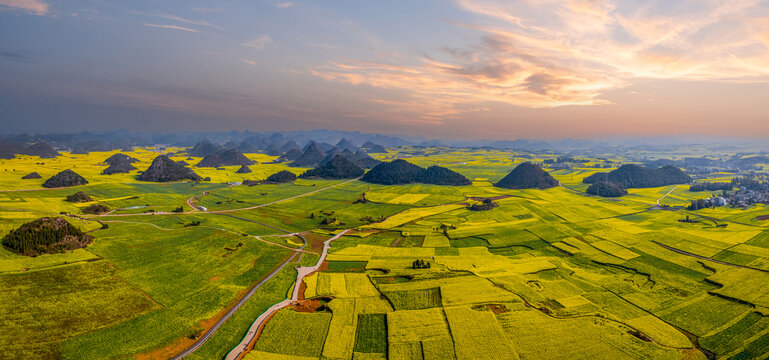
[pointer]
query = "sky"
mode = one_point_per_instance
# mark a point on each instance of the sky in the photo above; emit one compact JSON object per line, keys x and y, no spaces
{"x":482,"y":69}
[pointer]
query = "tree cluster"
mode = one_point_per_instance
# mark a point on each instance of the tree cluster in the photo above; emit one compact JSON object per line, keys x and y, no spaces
{"x":65,"y":178}
{"x":32,"y":175}
{"x":420,"y":264}
{"x":597,"y":177}
{"x":95,"y":209}
{"x":119,"y":163}
{"x":369,"y":219}
{"x":283,"y":176}
{"x":331,"y":221}
{"x":79,"y":197}
{"x":339,"y":167}
{"x":163,"y":169}
{"x":486,"y":204}
{"x":700,"y":204}
{"x":749,"y":183}
{"x":606,"y":189}
{"x":527,"y":176}
{"x":635,"y":176}
{"x":711,"y":186}
{"x":45,"y":236}
{"x":400,"y":171}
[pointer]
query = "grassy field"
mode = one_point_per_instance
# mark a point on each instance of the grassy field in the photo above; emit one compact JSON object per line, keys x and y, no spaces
{"x":295,"y":333}
{"x":529,"y":279}
{"x":371,"y":334}
{"x":60,"y":303}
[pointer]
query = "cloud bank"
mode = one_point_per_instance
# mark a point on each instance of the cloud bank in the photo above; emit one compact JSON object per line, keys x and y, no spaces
{"x":553,"y":53}
{"x":35,"y":7}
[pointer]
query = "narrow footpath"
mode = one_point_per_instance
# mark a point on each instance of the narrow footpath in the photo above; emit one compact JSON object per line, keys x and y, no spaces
{"x":666,"y":195}
{"x":301,"y":273}
{"x":210,"y":332}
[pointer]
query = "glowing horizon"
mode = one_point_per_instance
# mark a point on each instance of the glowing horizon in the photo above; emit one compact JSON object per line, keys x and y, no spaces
{"x":462,"y":69}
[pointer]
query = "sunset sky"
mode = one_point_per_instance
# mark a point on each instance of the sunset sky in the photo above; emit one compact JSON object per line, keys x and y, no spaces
{"x":458,"y":69}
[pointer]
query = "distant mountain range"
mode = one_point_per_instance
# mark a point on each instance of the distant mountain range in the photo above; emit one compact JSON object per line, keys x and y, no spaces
{"x":278,"y":143}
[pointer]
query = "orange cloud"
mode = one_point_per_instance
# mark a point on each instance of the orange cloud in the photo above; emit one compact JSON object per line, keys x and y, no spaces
{"x":552,"y":53}
{"x":35,"y":7}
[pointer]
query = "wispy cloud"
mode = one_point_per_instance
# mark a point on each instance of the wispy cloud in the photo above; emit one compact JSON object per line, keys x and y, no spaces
{"x":206,"y":10}
{"x":171,"y":27}
{"x":35,"y":7}
{"x":171,"y":17}
{"x":16,"y":57}
{"x":259,"y":42}
{"x":249,"y":62}
{"x":188,"y":21}
{"x":284,"y":5}
{"x":544,"y":54}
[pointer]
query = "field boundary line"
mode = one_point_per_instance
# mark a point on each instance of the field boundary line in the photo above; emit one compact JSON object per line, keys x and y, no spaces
{"x":730,"y":323}
{"x":286,"y":199}
{"x":707,"y":258}
{"x":747,"y":343}
{"x":301,"y":272}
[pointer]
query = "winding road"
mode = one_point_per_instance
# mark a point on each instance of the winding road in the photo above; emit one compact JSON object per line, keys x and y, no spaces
{"x":301,"y":273}
{"x":210,"y":332}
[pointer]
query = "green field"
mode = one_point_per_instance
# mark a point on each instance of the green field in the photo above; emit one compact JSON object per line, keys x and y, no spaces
{"x":553,"y":273}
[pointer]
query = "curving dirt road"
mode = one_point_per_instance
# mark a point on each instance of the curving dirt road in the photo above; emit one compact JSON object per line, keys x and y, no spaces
{"x":208,"y":334}
{"x":301,"y":273}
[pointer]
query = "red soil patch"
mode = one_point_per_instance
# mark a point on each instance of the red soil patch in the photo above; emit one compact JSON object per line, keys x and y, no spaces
{"x":168,"y":351}
{"x":497,"y":309}
{"x":314,"y":241}
{"x":323,"y":266}
{"x":302,"y":288}
{"x":215,"y":278}
{"x":762,"y":217}
{"x":309,"y":306}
